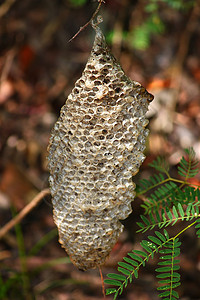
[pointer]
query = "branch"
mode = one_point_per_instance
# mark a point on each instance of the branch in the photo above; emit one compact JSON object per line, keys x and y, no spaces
{"x":92,"y":18}
{"x":4,"y":8}
{"x":102,"y":283}
{"x":17,"y":219}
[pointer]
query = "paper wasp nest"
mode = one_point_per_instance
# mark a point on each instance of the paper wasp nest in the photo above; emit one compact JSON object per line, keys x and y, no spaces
{"x":95,"y":148}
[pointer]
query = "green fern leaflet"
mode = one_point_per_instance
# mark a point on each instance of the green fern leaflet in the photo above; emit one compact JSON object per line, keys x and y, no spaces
{"x":169,"y":201}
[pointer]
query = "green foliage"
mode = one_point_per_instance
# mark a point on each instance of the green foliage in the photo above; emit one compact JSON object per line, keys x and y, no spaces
{"x":169,"y":278}
{"x":141,"y":35}
{"x":188,"y":168}
{"x":153,"y":25}
{"x":16,"y":284}
{"x":179,"y":4}
{"x":166,"y":192}
{"x":7,"y":287}
{"x":172,"y":200}
{"x":77,"y":3}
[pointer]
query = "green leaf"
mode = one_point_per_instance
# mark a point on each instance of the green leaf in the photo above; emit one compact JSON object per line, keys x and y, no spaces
{"x":188,"y":210}
{"x":126,"y":266}
{"x":166,"y":257}
{"x":175,"y":285}
{"x":153,"y":221}
{"x":182,"y":171}
{"x":166,"y":234}
{"x":163,"y":269}
{"x":165,"y":251}
{"x":181,"y":211}
{"x":144,"y":219}
{"x":176,"y":267}
{"x":168,"y":262}
{"x":160,"y":164}
{"x":176,"y":279}
{"x":147,"y":246}
{"x":155,"y":240}
{"x":198,"y":233}
{"x":110,"y":291}
{"x":164,"y":275}
{"x":116,"y":276}
{"x":136,"y":257}
{"x":113,"y":282}
{"x":157,"y":216}
{"x":164,"y":281}
{"x":124,"y":271}
{"x":176,"y":252}
{"x":175,"y":212}
{"x":140,"y":224}
{"x":175,"y":294}
{"x":188,"y":168}
{"x":136,"y":273}
{"x":139,"y":252}
{"x":164,"y":294}
{"x":160,"y":236}
{"x":175,"y":274}
{"x":134,"y":263}
{"x":162,"y":288}
{"x":177,"y":243}
{"x":168,"y":269}
{"x":169,"y":214}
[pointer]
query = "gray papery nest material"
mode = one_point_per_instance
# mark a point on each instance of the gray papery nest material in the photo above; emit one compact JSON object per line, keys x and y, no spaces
{"x":96,"y":146}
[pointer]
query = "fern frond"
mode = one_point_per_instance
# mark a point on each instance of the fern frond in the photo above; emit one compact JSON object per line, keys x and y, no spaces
{"x":145,"y":185}
{"x":188,"y":168}
{"x":161,"y":165}
{"x":166,"y":191}
{"x":168,"y":195}
{"x":187,"y":195}
{"x":169,"y":217}
{"x":172,"y":200}
{"x":133,"y":261}
{"x":159,"y":198}
{"x":169,"y":278}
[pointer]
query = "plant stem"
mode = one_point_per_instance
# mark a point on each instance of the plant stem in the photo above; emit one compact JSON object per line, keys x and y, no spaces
{"x":102,"y":283}
{"x":92,"y":18}
{"x":17,"y":219}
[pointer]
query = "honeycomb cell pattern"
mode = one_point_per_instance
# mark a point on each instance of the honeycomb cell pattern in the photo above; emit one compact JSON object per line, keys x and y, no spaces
{"x":95,"y":148}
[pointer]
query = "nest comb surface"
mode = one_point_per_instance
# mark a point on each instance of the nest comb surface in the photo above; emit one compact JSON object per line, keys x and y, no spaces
{"x":96,"y":146}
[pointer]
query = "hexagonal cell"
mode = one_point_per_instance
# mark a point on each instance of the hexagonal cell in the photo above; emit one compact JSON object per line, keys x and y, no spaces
{"x":95,"y":148}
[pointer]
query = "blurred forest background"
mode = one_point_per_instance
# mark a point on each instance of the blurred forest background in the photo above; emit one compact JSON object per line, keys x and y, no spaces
{"x":157,"y":44}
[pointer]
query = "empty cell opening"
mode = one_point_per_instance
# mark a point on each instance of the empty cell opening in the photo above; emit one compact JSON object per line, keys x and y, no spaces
{"x":106,"y":80}
{"x":102,"y":60}
{"x":117,"y":90}
{"x":97,"y":82}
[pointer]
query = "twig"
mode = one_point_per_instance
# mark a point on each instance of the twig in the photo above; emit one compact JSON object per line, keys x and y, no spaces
{"x":102,"y":283}
{"x":92,"y":18}
{"x":7,"y":66}
{"x":23,"y":212}
{"x":184,"y":43}
{"x":4,"y":8}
